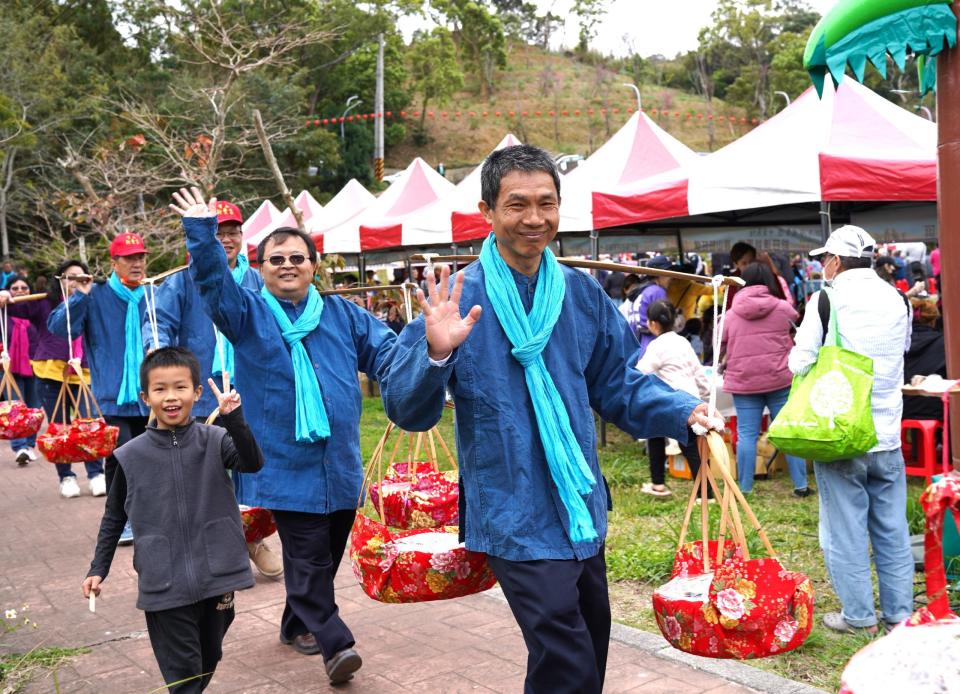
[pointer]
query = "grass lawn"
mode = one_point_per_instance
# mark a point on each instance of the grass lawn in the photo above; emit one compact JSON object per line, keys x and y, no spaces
{"x":643,"y":536}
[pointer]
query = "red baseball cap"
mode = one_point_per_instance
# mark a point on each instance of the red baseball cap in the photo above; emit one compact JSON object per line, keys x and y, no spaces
{"x":228,"y":212}
{"x":127,"y":243}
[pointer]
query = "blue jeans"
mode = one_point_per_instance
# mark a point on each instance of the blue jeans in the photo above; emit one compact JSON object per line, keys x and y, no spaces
{"x":48,"y":390}
{"x":27,"y":386}
{"x":863,"y":499}
{"x":749,"y":417}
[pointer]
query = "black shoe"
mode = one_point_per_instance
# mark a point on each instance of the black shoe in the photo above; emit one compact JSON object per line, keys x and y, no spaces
{"x":23,"y":457}
{"x":806,"y":491}
{"x":305,"y":644}
{"x":341,"y":666}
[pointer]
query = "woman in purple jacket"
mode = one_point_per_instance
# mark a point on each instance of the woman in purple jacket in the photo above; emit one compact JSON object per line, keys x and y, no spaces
{"x":49,"y":362}
{"x":22,"y":342}
{"x":756,"y":343}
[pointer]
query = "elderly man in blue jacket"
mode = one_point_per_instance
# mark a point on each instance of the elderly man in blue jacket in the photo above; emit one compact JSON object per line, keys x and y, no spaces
{"x":181,"y":321}
{"x":550,"y":349}
{"x":297,"y":356}
{"x":109,"y":317}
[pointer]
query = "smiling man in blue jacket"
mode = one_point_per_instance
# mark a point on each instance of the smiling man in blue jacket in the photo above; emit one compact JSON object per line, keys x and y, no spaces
{"x":109,"y":317}
{"x":541,"y":349}
{"x":181,"y":321}
{"x":297,"y":356}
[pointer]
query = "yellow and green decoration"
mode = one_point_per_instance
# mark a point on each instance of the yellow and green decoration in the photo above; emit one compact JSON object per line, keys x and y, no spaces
{"x":856,"y":31}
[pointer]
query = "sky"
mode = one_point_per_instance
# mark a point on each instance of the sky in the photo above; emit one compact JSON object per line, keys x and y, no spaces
{"x":646,"y":27}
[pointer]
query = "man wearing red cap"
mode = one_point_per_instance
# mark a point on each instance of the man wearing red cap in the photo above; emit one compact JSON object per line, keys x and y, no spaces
{"x":181,"y":321}
{"x":109,"y":315}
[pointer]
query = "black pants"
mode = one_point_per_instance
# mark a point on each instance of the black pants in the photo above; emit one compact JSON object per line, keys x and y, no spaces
{"x":563,"y":610}
{"x":130,"y":427}
{"x":313,"y":545}
{"x":187,"y":641}
{"x":656,"y":451}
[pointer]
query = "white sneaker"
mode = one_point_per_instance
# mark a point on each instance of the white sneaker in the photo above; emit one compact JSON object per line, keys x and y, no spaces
{"x":69,"y":489}
{"x":98,"y":485}
{"x":34,"y":454}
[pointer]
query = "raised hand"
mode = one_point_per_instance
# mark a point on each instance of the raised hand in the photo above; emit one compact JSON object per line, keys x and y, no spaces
{"x":229,"y":401}
{"x":446,"y":330}
{"x":189,"y":203}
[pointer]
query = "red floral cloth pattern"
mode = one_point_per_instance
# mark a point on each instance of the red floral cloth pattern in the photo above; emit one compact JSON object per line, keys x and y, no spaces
{"x":752,"y":609}
{"x":258,"y":523}
{"x":425,"y":499}
{"x":17,"y":421}
{"x":78,"y":441}
{"x":415,"y":565}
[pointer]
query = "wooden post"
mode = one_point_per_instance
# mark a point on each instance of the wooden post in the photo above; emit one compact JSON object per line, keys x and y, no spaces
{"x":275,"y":169}
{"x":948,"y":220}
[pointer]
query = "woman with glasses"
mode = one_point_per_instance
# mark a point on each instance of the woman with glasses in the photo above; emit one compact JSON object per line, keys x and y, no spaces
{"x":49,"y":364}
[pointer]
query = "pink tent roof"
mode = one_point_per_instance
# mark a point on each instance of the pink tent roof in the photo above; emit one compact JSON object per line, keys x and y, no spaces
{"x":382,"y":224}
{"x":309,"y":208}
{"x":850,"y":145}
{"x":264,"y":216}
{"x":343,"y":208}
{"x":641,"y":149}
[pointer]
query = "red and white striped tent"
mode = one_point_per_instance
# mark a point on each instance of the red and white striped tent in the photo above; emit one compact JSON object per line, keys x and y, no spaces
{"x":850,"y":146}
{"x":264,"y":217}
{"x":385,"y":224}
{"x":309,"y":208}
{"x":343,"y":209}
{"x":639,"y":151}
{"x":454,"y":217}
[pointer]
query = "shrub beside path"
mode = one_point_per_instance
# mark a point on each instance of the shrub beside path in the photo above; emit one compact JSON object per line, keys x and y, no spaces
{"x":471,"y":644}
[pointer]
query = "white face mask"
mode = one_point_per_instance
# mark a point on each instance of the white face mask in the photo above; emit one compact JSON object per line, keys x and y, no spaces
{"x":829,"y":282}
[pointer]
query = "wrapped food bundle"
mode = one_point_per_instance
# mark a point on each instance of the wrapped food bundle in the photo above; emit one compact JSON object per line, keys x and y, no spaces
{"x":415,"y":565}
{"x":720,"y":602}
{"x":417,"y":498}
{"x":18,"y":421}
{"x":80,"y":440}
{"x":258,"y":523}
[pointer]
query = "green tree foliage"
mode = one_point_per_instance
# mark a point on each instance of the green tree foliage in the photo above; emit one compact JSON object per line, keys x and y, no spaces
{"x":434,"y":69}
{"x":589,"y":14}
{"x":479,"y":35}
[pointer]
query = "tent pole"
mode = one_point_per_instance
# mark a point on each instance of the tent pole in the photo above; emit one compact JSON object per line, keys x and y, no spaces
{"x":595,"y":252}
{"x":825,"y":224}
{"x":948,"y":221}
{"x":680,"y":245}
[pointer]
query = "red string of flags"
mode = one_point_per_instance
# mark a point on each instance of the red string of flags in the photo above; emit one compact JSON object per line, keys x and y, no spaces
{"x":565,"y":113}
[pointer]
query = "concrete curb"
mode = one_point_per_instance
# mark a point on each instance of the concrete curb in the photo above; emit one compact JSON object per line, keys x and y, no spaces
{"x":730,"y":670}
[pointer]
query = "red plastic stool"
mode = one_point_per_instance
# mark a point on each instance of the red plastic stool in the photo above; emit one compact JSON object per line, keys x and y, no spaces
{"x":926,"y":448}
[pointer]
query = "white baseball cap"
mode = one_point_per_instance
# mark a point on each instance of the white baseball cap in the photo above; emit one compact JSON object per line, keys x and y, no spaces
{"x":848,"y":241}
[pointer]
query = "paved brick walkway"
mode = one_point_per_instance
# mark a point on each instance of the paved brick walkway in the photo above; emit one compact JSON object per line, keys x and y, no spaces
{"x":464,"y":645}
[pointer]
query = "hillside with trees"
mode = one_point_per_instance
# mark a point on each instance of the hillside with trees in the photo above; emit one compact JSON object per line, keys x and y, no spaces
{"x":106,"y":106}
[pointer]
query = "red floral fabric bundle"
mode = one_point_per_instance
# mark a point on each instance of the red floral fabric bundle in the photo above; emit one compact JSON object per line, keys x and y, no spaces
{"x":258,"y":523}
{"x":742,"y":609}
{"x":415,"y":565}
{"x":78,"y":441}
{"x":424,"y":499}
{"x":18,"y":421}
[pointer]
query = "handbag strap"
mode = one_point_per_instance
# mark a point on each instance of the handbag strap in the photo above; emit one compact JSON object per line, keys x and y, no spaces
{"x":936,"y":500}
{"x":828,"y":317}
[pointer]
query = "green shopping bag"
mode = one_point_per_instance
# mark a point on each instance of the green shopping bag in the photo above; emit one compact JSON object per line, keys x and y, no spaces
{"x":827,"y":415}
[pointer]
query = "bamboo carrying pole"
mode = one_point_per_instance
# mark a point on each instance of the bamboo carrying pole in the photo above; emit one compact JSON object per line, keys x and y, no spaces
{"x":146,"y":280}
{"x":597,"y":265}
{"x":360,"y":290}
{"x":275,"y":169}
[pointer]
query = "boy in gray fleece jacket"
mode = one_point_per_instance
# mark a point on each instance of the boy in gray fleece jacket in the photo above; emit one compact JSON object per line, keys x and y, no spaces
{"x":189,"y":551}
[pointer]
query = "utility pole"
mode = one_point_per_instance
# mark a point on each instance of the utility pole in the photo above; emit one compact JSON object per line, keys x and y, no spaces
{"x":378,"y":116}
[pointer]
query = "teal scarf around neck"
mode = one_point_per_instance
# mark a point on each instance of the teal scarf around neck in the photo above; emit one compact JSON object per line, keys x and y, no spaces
{"x":133,"y":342}
{"x":529,"y":335}
{"x":225,"y":363}
{"x":311,"y":415}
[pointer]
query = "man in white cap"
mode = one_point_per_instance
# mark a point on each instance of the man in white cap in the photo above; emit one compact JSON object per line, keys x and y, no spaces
{"x":863,"y":500}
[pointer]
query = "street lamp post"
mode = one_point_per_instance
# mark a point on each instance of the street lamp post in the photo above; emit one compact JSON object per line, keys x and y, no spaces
{"x":785,"y":96}
{"x":352,"y":103}
{"x":636,"y":91}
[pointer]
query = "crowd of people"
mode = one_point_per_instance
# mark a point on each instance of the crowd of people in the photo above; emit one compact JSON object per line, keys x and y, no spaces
{"x":532,"y":494}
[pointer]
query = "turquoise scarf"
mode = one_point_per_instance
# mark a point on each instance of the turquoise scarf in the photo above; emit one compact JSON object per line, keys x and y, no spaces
{"x":133,"y":342}
{"x":223,"y":344}
{"x":529,"y":335}
{"x":312,"y":423}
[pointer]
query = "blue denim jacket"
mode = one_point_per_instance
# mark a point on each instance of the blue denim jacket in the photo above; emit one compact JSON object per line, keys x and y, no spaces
{"x":513,"y":510}
{"x":99,"y":316}
{"x":181,"y":321}
{"x":310,"y":477}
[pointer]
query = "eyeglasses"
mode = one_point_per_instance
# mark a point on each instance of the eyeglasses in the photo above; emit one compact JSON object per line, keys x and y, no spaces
{"x":295,"y":259}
